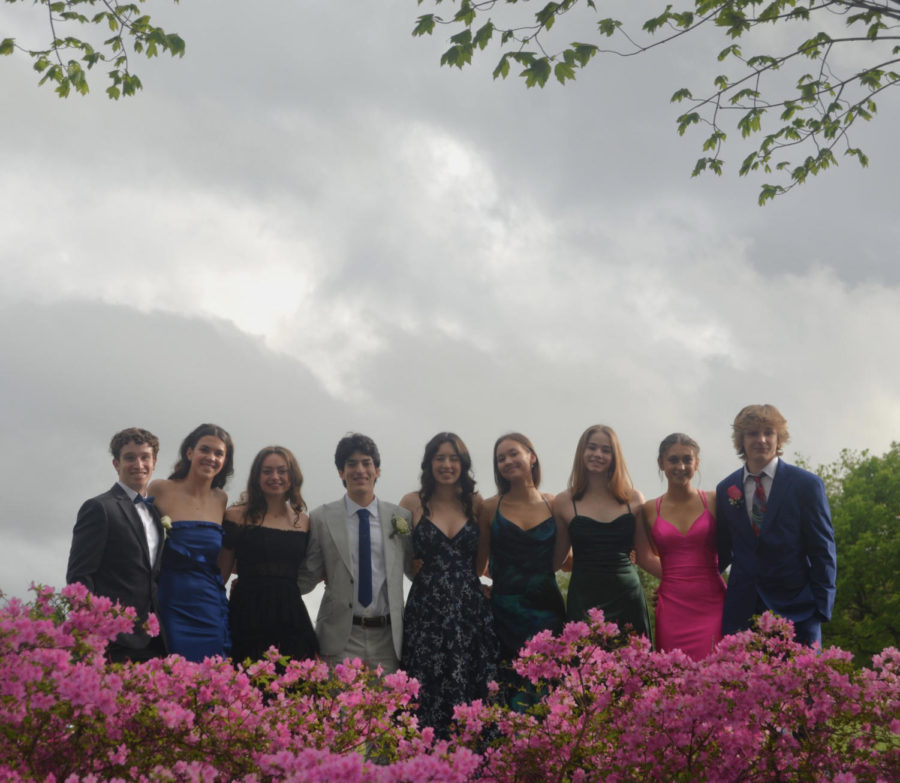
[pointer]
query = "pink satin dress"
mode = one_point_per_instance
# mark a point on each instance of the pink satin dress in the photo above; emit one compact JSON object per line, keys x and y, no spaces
{"x":692,"y":592}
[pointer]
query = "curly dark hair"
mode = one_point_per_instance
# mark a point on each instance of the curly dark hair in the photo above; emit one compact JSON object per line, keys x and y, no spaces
{"x":252,"y":498}
{"x":133,"y":435}
{"x":184,"y":464}
{"x":466,"y":481}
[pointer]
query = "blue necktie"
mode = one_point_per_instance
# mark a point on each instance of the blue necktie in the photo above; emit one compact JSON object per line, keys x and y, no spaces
{"x":141,"y":499}
{"x":365,"y":558}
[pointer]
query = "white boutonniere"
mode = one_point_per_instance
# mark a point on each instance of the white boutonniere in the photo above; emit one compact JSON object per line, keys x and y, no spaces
{"x":166,"y":522}
{"x":400,"y":526}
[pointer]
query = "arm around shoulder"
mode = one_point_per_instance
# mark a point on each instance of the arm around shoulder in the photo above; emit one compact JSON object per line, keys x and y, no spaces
{"x":312,"y":571}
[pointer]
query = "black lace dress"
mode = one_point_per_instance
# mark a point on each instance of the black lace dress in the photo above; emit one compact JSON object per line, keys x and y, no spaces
{"x":449,"y":644}
{"x":266,"y":607}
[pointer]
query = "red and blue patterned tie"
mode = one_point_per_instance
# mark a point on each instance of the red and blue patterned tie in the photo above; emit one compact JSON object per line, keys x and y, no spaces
{"x":758,"y":507}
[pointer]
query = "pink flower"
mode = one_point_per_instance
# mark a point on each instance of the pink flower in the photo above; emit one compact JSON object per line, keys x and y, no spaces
{"x":735,"y":496}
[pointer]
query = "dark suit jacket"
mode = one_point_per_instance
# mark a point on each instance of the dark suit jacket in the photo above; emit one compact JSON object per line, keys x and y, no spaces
{"x":792,"y":565}
{"x":110,"y":557}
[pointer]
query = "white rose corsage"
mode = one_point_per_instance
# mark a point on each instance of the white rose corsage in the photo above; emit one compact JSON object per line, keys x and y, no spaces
{"x":400,"y":526}
{"x":166,"y":522}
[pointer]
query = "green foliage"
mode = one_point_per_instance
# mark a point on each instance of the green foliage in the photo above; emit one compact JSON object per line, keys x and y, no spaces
{"x":864,"y":493}
{"x":65,"y":60}
{"x":802,"y":114}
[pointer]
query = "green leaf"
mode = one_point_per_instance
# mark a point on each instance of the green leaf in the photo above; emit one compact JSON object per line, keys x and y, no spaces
{"x":608,"y":26}
{"x":563,"y":71}
{"x":7,"y":45}
{"x":680,"y":95}
{"x":424,"y":25}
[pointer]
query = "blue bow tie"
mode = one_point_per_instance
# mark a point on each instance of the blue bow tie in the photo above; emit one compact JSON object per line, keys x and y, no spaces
{"x":141,"y":499}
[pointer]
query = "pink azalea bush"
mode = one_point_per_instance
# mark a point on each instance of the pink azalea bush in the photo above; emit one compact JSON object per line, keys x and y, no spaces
{"x":759,"y":708}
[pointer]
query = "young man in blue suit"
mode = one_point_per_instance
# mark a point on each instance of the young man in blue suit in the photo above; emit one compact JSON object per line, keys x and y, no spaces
{"x":775,"y":530}
{"x":117,"y":541}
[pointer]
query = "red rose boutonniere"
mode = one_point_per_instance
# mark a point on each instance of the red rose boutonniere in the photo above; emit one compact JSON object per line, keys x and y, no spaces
{"x":735,"y":496}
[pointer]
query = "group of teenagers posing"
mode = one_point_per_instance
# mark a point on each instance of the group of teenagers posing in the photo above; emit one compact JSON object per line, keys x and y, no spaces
{"x":171,"y":547}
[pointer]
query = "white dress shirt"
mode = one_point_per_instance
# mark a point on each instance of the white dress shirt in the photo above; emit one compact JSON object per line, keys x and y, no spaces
{"x":150,"y":530}
{"x":379,"y":606}
{"x":767,"y":476}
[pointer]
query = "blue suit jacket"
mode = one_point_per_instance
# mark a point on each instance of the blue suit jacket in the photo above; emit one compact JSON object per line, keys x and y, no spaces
{"x":791,"y":566}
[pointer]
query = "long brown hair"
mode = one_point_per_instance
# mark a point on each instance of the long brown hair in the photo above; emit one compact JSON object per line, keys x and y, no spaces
{"x":183,"y":466}
{"x":253,"y":499}
{"x":620,"y":484}
{"x":466,"y":482}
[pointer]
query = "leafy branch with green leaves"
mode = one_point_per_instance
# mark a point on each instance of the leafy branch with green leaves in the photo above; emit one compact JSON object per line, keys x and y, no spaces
{"x":796,"y":101}
{"x":66,"y":59}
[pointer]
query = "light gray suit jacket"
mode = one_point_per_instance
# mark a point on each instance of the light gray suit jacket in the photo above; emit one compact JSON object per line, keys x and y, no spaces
{"x":328,"y":557}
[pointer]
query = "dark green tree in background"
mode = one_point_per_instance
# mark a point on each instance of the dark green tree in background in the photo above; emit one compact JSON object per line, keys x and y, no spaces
{"x":864,"y":493}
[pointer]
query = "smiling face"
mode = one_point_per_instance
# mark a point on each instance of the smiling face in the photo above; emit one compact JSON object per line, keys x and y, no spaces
{"x":135,"y":465}
{"x":679,"y":463}
{"x":598,"y":455}
{"x":446,"y":466}
{"x":275,"y":476}
{"x":514,"y":461}
{"x":359,"y":476}
{"x":760,"y":446}
{"x":207,"y":458}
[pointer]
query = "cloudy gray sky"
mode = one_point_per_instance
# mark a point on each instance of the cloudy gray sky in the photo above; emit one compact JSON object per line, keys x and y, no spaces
{"x":306,"y":226}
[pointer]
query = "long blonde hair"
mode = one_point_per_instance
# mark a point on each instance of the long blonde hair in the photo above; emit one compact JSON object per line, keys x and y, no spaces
{"x":620,"y":484}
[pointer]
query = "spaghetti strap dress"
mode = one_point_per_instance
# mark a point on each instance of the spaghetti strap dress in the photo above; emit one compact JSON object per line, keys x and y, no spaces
{"x":525,"y":597}
{"x":266,"y":606}
{"x":603,"y":575}
{"x":449,"y":644}
{"x":193,"y":609}
{"x":692,"y":592}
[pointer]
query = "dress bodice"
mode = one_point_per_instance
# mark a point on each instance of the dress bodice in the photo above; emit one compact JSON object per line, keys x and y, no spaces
{"x":602,"y":544}
{"x":517,"y":555}
{"x":265,"y":552}
{"x":192,"y":543}
{"x":684,"y":554}
{"x":440,"y":552}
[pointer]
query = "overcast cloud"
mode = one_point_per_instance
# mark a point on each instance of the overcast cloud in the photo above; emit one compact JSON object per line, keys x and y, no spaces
{"x":306,"y":227}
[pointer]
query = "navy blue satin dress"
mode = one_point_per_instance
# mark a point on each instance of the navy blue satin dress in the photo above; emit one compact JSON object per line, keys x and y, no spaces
{"x":192,"y":604}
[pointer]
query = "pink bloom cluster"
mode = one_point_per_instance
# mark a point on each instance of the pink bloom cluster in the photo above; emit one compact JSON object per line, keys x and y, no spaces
{"x":759,"y":708}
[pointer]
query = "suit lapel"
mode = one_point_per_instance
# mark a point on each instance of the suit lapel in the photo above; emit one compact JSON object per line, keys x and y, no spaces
{"x":336,"y":520}
{"x":133,"y":520}
{"x":780,"y":486}
{"x":390,"y":555}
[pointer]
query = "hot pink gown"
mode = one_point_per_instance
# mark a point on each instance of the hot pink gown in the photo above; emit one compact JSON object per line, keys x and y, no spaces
{"x":692,"y":592}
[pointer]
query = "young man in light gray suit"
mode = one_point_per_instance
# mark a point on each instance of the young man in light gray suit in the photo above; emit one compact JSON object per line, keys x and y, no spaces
{"x":361,"y":546}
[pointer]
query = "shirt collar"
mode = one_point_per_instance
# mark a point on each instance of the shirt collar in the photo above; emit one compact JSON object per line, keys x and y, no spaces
{"x":128,"y":491}
{"x":768,"y":470}
{"x":352,"y":507}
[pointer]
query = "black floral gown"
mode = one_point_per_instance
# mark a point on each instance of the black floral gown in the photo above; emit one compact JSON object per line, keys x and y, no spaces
{"x":449,"y":644}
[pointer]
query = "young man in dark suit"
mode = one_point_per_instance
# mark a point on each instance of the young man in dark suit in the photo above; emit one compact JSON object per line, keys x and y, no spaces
{"x":775,"y":529}
{"x":117,"y":541}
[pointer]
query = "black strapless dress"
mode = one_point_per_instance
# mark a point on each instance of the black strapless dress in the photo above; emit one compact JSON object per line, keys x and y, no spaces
{"x":266,"y":606}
